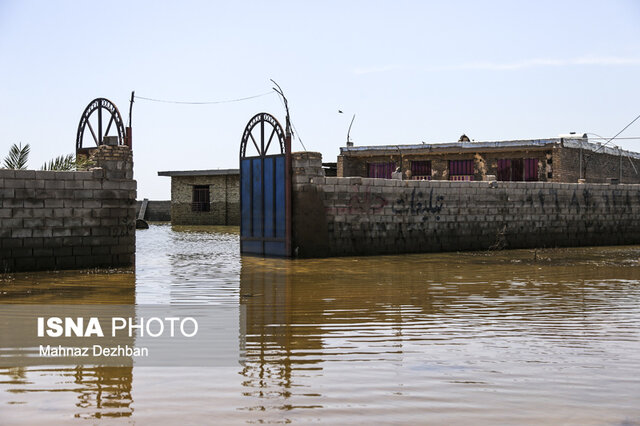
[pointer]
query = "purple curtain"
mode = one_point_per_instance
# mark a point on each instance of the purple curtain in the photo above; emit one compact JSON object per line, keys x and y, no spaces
{"x":381,"y":170}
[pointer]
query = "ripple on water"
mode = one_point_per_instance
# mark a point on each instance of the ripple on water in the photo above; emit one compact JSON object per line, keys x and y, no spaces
{"x":523,"y":336}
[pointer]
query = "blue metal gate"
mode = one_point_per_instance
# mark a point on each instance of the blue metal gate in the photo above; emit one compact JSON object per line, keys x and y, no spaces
{"x":265,"y":189}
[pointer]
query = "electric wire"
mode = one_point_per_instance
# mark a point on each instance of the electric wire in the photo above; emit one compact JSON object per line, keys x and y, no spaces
{"x":295,"y":133}
{"x":203,"y":102}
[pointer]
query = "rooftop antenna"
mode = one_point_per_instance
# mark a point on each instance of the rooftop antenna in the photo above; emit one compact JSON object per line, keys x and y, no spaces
{"x":349,"y":142}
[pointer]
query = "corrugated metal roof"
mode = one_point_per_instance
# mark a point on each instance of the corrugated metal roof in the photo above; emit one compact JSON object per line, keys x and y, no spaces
{"x":216,"y":172}
{"x":470,"y":146}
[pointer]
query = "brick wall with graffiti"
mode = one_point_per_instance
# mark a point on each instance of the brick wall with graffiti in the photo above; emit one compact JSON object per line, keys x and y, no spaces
{"x":361,"y":216}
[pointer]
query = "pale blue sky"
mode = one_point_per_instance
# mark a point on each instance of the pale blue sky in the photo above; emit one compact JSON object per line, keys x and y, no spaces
{"x":412,"y":71}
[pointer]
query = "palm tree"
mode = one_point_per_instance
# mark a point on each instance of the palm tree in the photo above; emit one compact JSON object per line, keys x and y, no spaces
{"x":18,"y":157}
{"x":63,"y":162}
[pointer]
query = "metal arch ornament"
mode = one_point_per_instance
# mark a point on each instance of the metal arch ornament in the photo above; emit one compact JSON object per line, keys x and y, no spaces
{"x":263,"y":120}
{"x":97,"y":106}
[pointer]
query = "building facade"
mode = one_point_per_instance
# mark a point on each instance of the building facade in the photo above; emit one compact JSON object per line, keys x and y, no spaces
{"x":537,"y":160}
{"x":205,"y":197}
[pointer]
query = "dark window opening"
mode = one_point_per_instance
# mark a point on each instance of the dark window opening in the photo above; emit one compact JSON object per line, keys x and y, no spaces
{"x":200,"y":200}
{"x":517,"y":169}
{"x":381,"y":170}
{"x":549,"y":175}
{"x":421,"y":170}
{"x":460,"y":169}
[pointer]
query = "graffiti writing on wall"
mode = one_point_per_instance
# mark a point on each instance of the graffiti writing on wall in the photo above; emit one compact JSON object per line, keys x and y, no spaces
{"x":418,"y":204}
{"x":366,"y":202}
{"x":362,"y":202}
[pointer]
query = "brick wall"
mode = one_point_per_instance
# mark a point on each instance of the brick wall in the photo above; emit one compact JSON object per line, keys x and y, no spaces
{"x":354,"y":216}
{"x":562,"y":162}
{"x":598,"y":167}
{"x":224,"y":197}
{"x":69,"y":220}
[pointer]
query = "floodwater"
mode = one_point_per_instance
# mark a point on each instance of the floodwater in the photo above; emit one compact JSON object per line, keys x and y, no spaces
{"x":512,"y":337}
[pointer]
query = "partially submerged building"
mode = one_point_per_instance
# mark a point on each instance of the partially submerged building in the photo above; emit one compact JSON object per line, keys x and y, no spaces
{"x":562,"y":159}
{"x":205,"y":197}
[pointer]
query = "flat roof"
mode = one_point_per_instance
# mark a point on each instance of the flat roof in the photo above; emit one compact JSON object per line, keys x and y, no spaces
{"x":216,"y":172}
{"x":490,"y":145}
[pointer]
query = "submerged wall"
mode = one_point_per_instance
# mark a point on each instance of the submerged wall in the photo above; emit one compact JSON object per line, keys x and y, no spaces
{"x":157,"y":211}
{"x":355,"y":216}
{"x":69,"y":220}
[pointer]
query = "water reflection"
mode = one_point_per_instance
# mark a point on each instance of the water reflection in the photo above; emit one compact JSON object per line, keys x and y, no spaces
{"x":548,"y":336}
{"x":270,"y":339}
{"x":94,"y":392}
{"x":409,"y":332}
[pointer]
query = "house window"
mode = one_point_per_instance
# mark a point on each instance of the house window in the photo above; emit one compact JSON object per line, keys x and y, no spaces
{"x":530,"y":169}
{"x":200,"y":201}
{"x":421,"y":170}
{"x":460,"y":169}
{"x":518,"y":169}
{"x":381,"y":170}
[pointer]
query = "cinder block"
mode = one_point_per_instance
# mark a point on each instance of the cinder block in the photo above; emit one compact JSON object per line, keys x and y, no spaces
{"x":72,"y":221}
{"x":12,"y":203}
{"x":59,"y":175}
{"x":34,"y":184}
{"x":33,"y":222}
{"x":83,"y":194}
{"x":7,"y":174}
{"x":54,"y":184}
{"x":65,"y":262}
{"x":83,"y":175}
{"x":53,"y":203}
{"x":25,"y":174}
{"x":6,"y":193}
{"x":45,"y":175}
{"x":42,"y":252}
{"x":73,"y":204}
{"x":62,"y":212}
{"x":14,"y":183}
{"x":25,"y":263}
{"x":21,"y":233}
{"x":33,"y":203}
{"x":45,"y":263}
{"x":42,"y":232}
{"x":92,"y":184}
{"x":73,"y":184}
{"x":61,"y":232}
{"x":10,"y":243}
{"x":81,"y":232}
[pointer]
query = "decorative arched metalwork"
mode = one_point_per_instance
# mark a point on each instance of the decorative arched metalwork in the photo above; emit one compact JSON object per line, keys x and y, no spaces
{"x":100,"y":106}
{"x":265,"y":188}
{"x":267,"y":124}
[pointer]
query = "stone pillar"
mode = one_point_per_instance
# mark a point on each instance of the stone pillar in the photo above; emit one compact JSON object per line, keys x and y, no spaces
{"x":309,"y":222}
{"x":305,"y":166}
{"x":117,"y":161}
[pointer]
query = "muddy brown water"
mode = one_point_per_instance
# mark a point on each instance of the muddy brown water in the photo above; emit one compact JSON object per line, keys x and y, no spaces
{"x":511,"y":337}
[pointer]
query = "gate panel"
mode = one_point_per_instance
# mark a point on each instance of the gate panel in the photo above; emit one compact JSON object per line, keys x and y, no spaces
{"x":257,"y":206}
{"x":281,"y":210}
{"x":264,"y":203}
{"x":245,"y":197}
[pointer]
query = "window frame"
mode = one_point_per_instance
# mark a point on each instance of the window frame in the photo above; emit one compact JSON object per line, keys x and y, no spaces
{"x":201,"y":198}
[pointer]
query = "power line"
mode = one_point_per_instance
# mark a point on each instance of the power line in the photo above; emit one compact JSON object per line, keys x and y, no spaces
{"x":204,"y":102}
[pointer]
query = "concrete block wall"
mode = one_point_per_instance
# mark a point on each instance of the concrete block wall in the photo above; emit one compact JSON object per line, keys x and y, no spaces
{"x":157,"y":211}
{"x":69,"y":220}
{"x":360,"y":216}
